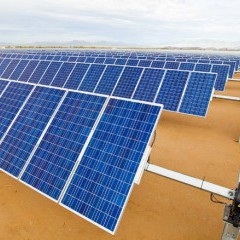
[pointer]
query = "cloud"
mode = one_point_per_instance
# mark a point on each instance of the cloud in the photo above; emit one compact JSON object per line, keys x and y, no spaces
{"x":151,"y":22}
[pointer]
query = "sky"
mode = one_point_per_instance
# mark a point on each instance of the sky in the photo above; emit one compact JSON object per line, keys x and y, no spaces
{"x":140,"y":22}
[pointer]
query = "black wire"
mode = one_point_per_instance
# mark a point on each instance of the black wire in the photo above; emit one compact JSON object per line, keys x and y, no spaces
{"x":215,"y":200}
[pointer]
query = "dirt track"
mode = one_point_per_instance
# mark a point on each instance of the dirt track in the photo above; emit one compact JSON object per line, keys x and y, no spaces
{"x":159,"y":208}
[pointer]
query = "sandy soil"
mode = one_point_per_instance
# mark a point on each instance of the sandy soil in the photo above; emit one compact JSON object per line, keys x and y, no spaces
{"x":159,"y":208}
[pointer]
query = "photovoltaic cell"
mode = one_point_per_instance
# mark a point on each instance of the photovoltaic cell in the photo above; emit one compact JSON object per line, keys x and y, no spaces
{"x":76,"y":76}
{"x":63,"y":74}
{"x":28,"y":127}
{"x":149,"y":84}
{"x":172,"y":88}
{"x":28,"y":71}
{"x":39,"y":71}
{"x":99,"y":60}
{"x":50,"y":73}
{"x":3,"y":85}
{"x":232,"y":67}
{"x":90,"y":60}
{"x":7,"y":73}
{"x":104,"y":178}
{"x":53,"y":161}
{"x":128,"y":82}
{"x":92,"y":77}
{"x":198,"y":93}
{"x":10,"y":103}
{"x":109,"y":80}
{"x":19,"y":69}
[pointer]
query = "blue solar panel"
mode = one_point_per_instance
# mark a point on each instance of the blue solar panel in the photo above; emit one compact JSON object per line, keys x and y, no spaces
{"x":171,"y":65}
{"x":76,"y":76}
{"x":121,"y":61}
{"x":110,"y":61}
{"x":10,"y":103}
{"x":19,"y":69}
{"x":39,"y":71}
{"x":72,"y":59}
{"x":222,"y":76}
{"x":92,"y":77}
{"x":158,"y":64}
{"x":203,"y":67}
{"x":27,"y":128}
{"x":7,"y":73}
{"x":90,"y":60}
{"x":4,"y":65}
{"x":50,"y":73}
{"x":104,"y":178}
{"x":187,"y":66}
{"x":232,"y":67}
{"x":81,"y":59}
{"x":63,"y":74}
{"x":50,"y":57}
{"x":28,"y":71}
{"x":128,"y":82}
{"x":149,"y":84}
{"x":109,"y":80}
{"x":99,"y":60}
{"x":198,"y":93}
{"x":3,"y":85}
{"x":57,"y":58}
{"x":53,"y":161}
{"x":64,"y":58}
{"x":132,"y":62}
{"x":172,"y":88}
{"x":145,"y":63}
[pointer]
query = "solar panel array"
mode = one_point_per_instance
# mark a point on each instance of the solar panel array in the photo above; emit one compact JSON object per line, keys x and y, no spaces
{"x":75,"y":127}
{"x":120,"y":81}
{"x":55,"y":140}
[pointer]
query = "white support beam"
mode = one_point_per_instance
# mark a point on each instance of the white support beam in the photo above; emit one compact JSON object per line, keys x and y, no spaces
{"x":227,"y":97}
{"x":234,"y":79}
{"x":191,"y":181}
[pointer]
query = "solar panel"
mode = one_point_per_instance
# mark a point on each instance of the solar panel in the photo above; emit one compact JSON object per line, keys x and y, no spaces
{"x":109,"y":80}
{"x":171,"y":65}
{"x":187,"y":66}
{"x":4,"y":65}
{"x":11,"y":101}
{"x":76,"y":76}
{"x":172,"y":88}
{"x":203,"y":67}
{"x":121,"y":61}
{"x":145,"y":63}
{"x":196,"y":100}
{"x":63,"y":74}
{"x":148,"y":85}
{"x":102,"y":182}
{"x":132,"y":62}
{"x":158,"y":64}
{"x":222,"y":76}
{"x":28,"y":71}
{"x":54,"y":159}
{"x":92,"y":77}
{"x":26,"y":130}
{"x":99,"y":60}
{"x":232,"y":67}
{"x":128,"y":82}
{"x":19,"y":69}
{"x":39,"y":71}
{"x":50,"y":73}
{"x":8,"y":71}
{"x":90,"y":60}
{"x":110,"y":61}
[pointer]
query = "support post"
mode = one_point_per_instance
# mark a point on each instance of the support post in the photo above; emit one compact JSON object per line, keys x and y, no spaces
{"x":227,"y":97}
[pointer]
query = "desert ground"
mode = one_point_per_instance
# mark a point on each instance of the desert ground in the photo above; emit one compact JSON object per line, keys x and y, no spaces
{"x":158,"y":208}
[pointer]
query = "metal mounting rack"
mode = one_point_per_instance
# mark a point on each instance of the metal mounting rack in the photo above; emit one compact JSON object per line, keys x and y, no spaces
{"x":231,"y":216}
